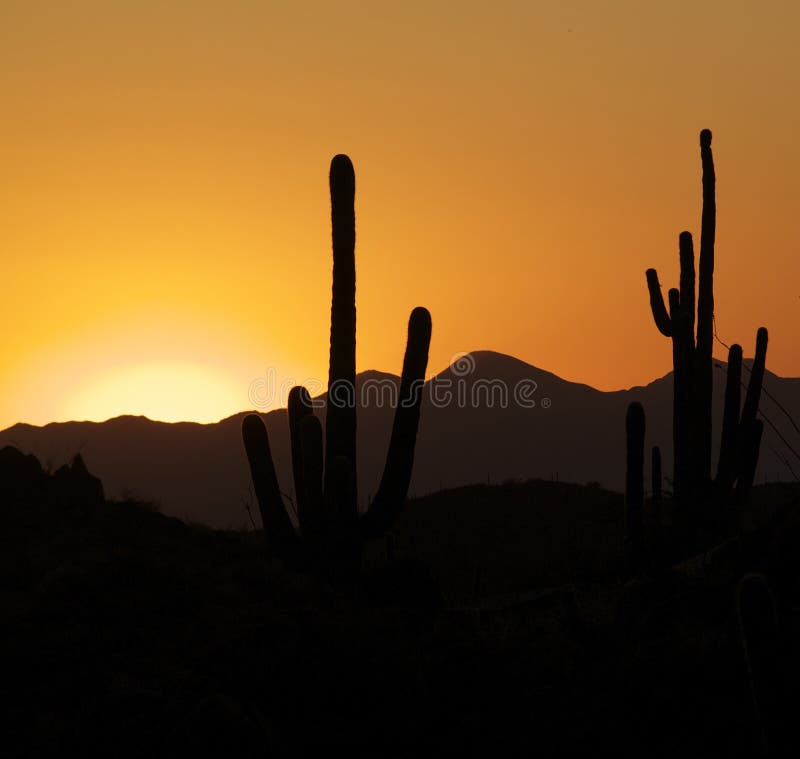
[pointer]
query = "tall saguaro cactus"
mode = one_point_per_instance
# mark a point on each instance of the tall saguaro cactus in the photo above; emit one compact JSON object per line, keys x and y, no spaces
{"x":331,"y":530}
{"x":690,"y":326}
{"x":340,"y":432}
{"x":691,"y":352}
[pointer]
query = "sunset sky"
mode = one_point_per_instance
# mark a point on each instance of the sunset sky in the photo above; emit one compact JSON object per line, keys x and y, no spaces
{"x":164,"y":208}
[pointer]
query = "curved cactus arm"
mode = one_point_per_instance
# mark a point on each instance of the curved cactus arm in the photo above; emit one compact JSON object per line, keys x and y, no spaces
{"x":298,"y":407}
{"x":660,"y":315}
{"x":282,"y":539}
{"x":312,"y":516}
{"x":392,"y":491}
{"x":729,"y":446}
{"x":634,"y":486}
{"x":340,"y":432}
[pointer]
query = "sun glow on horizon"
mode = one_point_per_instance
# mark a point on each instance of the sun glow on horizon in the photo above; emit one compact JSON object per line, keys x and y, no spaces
{"x":161,"y":391}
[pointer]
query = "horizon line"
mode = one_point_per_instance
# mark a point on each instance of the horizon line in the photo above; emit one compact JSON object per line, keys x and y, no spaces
{"x":447,"y":369}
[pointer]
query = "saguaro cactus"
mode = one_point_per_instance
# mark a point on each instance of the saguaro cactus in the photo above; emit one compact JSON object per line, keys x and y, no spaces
{"x":692,"y":367}
{"x":691,"y":352}
{"x":634,"y":487}
{"x":331,"y":530}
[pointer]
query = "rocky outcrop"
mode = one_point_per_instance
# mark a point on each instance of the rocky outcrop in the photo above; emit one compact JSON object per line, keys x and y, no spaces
{"x":24,"y":481}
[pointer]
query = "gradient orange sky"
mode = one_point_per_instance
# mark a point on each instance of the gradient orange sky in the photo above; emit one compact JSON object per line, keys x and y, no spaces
{"x":164,"y":210}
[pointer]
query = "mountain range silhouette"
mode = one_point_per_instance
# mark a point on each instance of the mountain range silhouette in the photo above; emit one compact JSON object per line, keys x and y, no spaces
{"x":573,"y":433}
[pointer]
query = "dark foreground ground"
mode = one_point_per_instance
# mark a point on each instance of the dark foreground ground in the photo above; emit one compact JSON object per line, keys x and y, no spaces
{"x":503,"y":627}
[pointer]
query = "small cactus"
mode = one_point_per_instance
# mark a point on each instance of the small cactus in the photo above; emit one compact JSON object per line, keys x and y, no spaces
{"x":634,"y":487}
{"x":331,"y":530}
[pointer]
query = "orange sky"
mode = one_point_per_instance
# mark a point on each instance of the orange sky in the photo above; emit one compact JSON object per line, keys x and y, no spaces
{"x":164,"y":216}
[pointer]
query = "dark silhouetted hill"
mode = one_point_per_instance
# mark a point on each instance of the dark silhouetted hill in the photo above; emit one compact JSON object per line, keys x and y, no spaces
{"x":573,"y":433}
{"x":139,"y":635}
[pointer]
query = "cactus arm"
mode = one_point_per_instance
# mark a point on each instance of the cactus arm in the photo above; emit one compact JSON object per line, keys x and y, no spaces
{"x":751,"y":428}
{"x":634,"y":486}
{"x":340,"y":432}
{"x":299,"y":407}
{"x":393,"y":488}
{"x":687,"y":295}
{"x":674,"y":299}
{"x":312,"y":518}
{"x":682,"y":395}
{"x":692,"y":429}
{"x":726,"y":469}
{"x":660,"y":315}
{"x":281,"y":537}
{"x":751,"y":401}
